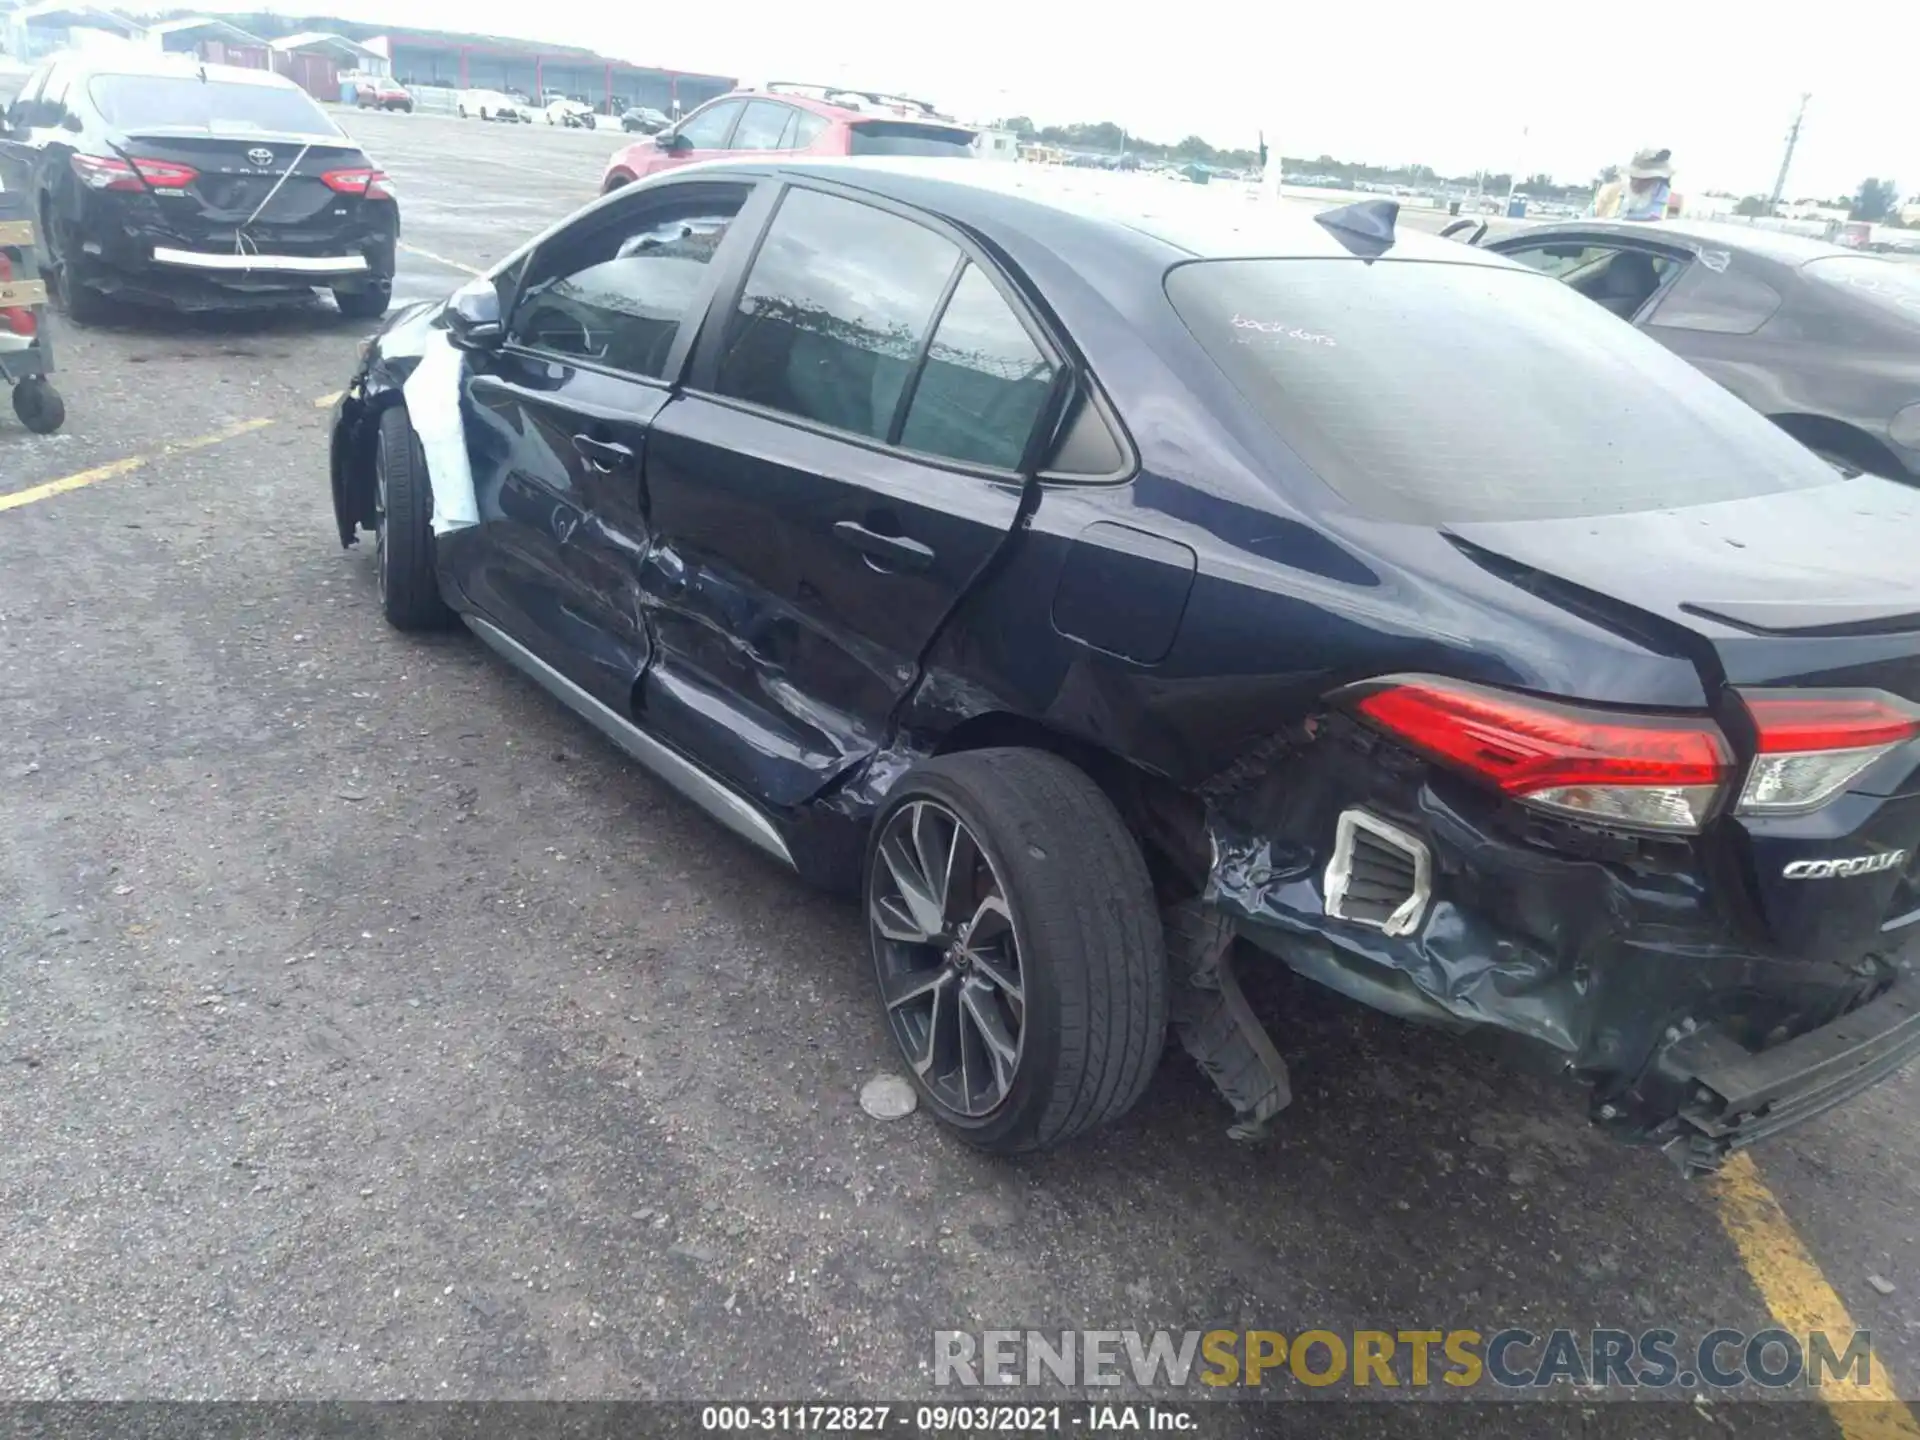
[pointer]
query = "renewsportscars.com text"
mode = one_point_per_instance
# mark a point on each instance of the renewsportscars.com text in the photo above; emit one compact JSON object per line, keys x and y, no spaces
{"x":1512,"y":1358}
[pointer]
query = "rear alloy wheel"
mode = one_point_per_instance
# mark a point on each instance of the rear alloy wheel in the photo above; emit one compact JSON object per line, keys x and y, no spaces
{"x":73,"y":296}
{"x":1016,"y":947}
{"x":403,"y":528}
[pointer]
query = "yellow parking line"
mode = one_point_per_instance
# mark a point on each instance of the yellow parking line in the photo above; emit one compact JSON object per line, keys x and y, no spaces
{"x":1801,"y":1301}
{"x":17,"y":498}
{"x":327,"y":402}
{"x":437,"y":259}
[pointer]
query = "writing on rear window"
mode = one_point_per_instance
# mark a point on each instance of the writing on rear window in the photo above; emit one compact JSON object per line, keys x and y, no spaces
{"x":1280,"y":327}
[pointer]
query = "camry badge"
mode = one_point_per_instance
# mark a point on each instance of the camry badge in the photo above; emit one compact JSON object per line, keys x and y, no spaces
{"x":260,"y":155}
{"x":1839,"y":869}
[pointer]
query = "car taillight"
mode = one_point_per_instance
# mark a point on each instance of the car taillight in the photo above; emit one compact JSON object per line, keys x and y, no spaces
{"x":1811,"y":746}
{"x":104,"y":172}
{"x":20,"y":319}
{"x":374,"y":184}
{"x":1649,"y":772}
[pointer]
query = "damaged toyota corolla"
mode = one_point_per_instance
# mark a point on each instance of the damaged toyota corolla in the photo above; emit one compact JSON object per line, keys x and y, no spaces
{"x":1118,"y":584}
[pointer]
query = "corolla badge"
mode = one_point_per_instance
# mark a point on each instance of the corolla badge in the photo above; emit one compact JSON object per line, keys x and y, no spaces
{"x":260,"y":155}
{"x":1839,"y":869}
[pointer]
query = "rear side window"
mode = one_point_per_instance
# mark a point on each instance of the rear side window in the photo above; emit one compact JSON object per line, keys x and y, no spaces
{"x":181,"y":102}
{"x":834,"y":312}
{"x":904,"y":137}
{"x":1437,"y":392}
{"x":1722,"y":302}
{"x":984,"y":384}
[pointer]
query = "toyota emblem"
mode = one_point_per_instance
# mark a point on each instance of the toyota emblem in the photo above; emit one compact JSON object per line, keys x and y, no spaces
{"x":260,"y":155}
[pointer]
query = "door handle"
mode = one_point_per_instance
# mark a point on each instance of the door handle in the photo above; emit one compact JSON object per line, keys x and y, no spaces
{"x":884,"y":552}
{"x":602,"y":455}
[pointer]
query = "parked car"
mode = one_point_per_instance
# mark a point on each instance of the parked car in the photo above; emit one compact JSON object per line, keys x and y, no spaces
{"x":197,"y":185}
{"x":382,"y":95}
{"x":793,"y":120}
{"x":1090,"y":589}
{"x":489,"y":105}
{"x":1821,"y":339}
{"x":642,"y":120}
{"x":571,"y":113}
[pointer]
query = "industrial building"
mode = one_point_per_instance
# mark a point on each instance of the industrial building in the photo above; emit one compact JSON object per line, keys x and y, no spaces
{"x":425,"y":57}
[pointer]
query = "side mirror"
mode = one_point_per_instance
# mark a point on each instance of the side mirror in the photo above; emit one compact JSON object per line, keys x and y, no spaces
{"x":672,"y":140}
{"x":473,"y":316}
{"x":71,"y":122}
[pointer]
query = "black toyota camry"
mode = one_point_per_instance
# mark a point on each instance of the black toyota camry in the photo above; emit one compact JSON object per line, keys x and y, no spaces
{"x":1113,"y":583}
{"x":165,"y":181}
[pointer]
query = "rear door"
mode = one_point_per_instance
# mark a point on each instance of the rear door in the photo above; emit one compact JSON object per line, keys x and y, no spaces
{"x":852,"y":454}
{"x":559,"y":422}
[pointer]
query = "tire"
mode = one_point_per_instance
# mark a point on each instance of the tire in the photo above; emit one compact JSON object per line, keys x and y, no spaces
{"x":1076,"y":909}
{"x":72,"y":295}
{"x":38,"y":405}
{"x":403,"y":528}
{"x":369,"y":303}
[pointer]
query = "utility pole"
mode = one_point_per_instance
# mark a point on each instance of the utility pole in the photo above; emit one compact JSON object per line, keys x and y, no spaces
{"x":1786,"y":160}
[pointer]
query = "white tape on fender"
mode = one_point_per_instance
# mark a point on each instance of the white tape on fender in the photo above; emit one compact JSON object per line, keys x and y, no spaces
{"x":433,"y":404}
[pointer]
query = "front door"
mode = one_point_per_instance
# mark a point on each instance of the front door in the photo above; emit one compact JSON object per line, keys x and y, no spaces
{"x":558,"y":424}
{"x":850,"y":456}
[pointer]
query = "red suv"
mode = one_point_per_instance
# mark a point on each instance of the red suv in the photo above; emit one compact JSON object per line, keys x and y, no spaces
{"x":792,"y":119}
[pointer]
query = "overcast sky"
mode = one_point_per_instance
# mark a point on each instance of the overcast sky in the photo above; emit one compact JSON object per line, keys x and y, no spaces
{"x":1451,"y":84}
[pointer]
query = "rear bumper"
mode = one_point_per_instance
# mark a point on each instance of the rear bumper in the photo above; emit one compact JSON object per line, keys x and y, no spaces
{"x":233,"y":262}
{"x":1737,"y":1096}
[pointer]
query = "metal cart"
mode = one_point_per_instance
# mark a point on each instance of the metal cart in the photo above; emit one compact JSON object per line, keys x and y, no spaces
{"x":26,"y":351}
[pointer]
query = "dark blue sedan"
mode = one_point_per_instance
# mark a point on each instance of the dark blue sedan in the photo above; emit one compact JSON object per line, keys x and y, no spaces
{"x":1095,"y":574}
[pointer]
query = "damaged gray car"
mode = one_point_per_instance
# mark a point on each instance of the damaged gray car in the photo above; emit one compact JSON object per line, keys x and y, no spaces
{"x":1115,"y":601}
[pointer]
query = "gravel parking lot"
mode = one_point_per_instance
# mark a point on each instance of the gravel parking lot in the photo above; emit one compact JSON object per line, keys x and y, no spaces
{"x":373,"y":1029}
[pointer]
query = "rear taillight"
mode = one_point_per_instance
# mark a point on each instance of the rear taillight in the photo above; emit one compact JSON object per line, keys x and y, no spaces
{"x":1812,"y":746}
{"x":105,"y":172}
{"x":17,"y":319}
{"x":374,"y":184}
{"x":1649,"y":772}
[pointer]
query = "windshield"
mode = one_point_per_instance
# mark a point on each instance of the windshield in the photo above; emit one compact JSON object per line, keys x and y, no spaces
{"x":1439,"y":393}
{"x":183,"y":102}
{"x":1892,"y":283}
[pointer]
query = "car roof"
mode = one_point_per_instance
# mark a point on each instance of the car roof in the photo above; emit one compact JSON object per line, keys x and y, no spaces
{"x":1199,"y":221}
{"x":820,"y":105}
{"x":1779,"y":246}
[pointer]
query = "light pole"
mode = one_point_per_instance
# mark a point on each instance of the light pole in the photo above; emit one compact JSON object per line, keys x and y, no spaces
{"x":1786,"y":160}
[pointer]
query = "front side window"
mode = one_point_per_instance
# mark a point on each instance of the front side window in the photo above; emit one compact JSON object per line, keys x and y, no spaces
{"x":617,"y":297}
{"x":1617,"y":278}
{"x":1453,"y":392}
{"x":708,"y":130}
{"x":984,"y":384}
{"x":834,"y":311}
{"x":764,"y":126}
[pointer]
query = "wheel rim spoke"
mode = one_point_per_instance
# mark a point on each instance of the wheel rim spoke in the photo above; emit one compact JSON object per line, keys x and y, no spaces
{"x":910,"y":879}
{"x":946,"y":950}
{"x":996,"y":1038}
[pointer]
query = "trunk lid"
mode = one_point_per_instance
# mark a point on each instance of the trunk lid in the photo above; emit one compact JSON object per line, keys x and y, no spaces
{"x":1814,"y":587}
{"x":270,"y":181}
{"x":1805,"y":590}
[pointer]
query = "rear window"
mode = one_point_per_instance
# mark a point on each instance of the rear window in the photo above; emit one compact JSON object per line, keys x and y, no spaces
{"x":1439,"y":393}
{"x":904,"y":137}
{"x":181,"y":102}
{"x":1891,"y":282}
